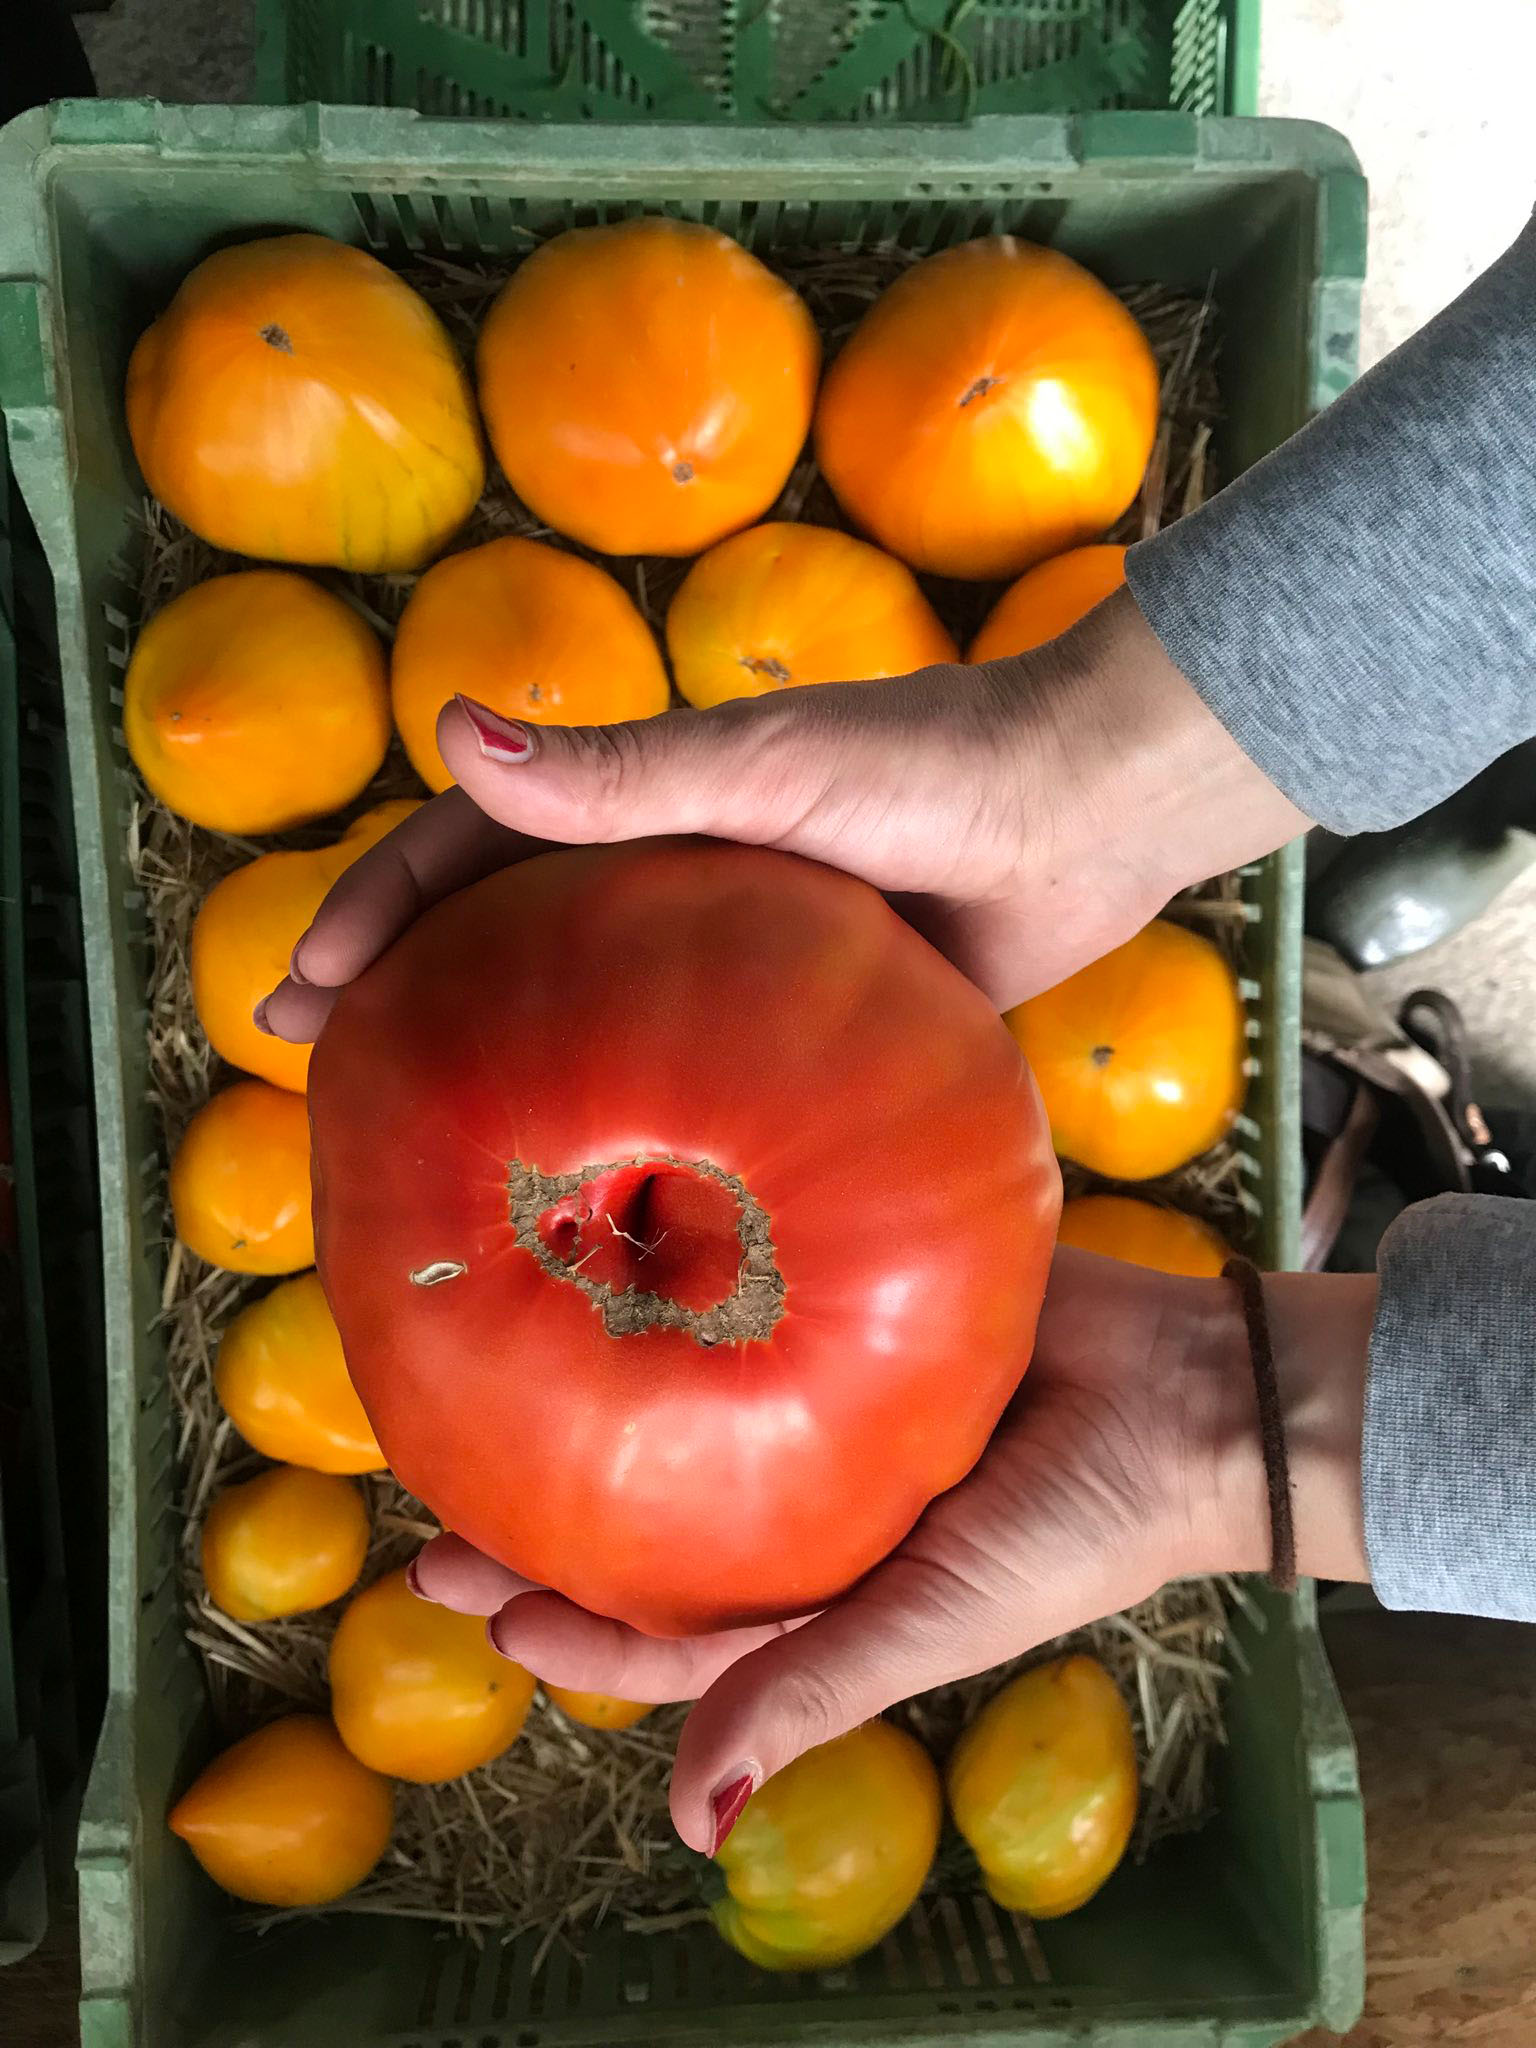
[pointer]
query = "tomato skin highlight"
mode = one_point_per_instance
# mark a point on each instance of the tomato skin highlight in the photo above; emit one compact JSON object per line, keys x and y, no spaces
{"x":778,"y":1052}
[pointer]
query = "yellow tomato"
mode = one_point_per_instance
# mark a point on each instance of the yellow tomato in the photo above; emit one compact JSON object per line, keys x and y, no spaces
{"x":417,"y":1691}
{"x":1047,"y":600}
{"x":597,"y":1709}
{"x":283,"y":1543}
{"x":287,"y":1817}
{"x":783,"y":605}
{"x":1140,"y":1055}
{"x":256,"y":702}
{"x":284,"y":1385}
{"x":246,"y":929}
{"x":1143,"y":1234}
{"x":1043,"y":1786}
{"x":830,"y":1853}
{"x":240,"y":1181}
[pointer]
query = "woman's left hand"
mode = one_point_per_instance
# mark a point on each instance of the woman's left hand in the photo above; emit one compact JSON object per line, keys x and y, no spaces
{"x":1130,"y":1456}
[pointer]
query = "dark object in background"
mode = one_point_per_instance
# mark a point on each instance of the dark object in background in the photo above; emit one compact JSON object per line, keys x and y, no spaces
{"x":40,"y":57}
{"x":1388,"y":1116}
{"x":1386,"y":895}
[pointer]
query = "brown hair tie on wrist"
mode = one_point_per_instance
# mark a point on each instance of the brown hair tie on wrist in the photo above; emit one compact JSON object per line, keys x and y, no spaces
{"x":1245,"y":1276}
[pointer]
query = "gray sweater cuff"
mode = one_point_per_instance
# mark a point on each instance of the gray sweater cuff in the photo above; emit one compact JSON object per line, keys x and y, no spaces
{"x":1359,"y":608}
{"x":1450,"y":1414}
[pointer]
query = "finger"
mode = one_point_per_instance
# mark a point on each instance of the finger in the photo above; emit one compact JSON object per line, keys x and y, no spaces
{"x":559,"y":1641}
{"x":295,"y":1011}
{"x":454,"y":1574}
{"x":816,"y":771}
{"x":446,"y":844}
{"x":905,"y":1628}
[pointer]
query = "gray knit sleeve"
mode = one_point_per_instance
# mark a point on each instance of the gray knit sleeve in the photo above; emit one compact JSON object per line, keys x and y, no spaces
{"x":1450,"y":1413}
{"x":1359,"y":608}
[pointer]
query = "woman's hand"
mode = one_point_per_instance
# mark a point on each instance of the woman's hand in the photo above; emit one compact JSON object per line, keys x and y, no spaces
{"x":1130,"y":1456}
{"x":1027,"y":815}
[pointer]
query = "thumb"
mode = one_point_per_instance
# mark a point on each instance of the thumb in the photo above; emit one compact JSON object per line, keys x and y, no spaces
{"x":873,"y":776}
{"x":909,"y":1626}
{"x":741,"y":771}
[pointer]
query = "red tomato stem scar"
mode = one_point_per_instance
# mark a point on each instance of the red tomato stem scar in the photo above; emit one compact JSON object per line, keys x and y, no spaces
{"x":654,"y":1243}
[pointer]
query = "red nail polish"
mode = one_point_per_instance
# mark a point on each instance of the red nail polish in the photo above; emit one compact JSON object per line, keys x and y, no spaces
{"x":727,"y":1806}
{"x":414,"y":1582}
{"x":499,"y":739}
{"x":259,"y":1018}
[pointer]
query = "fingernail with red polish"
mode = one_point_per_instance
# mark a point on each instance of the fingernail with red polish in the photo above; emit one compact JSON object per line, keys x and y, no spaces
{"x":727,"y":1804}
{"x":499,"y":739}
{"x":259,"y":1018}
{"x":414,"y":1582}
{"x":493,"y":1634}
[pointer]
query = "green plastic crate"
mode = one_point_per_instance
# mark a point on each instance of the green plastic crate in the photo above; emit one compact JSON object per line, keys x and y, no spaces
{"x":1232,"y":1938}
{"x":761,"y":60}
{"x":48,"y":1367}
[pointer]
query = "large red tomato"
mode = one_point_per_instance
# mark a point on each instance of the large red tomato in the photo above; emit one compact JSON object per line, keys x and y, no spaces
{"x":685,"y":1217}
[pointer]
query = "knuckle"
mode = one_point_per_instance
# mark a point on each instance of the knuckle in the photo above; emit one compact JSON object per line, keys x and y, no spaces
{"x":806,"y":1703}
{"x":610,"y":759}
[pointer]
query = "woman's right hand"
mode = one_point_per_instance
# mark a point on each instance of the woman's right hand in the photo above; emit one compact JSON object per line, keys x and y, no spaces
{"x":1027,"y":815}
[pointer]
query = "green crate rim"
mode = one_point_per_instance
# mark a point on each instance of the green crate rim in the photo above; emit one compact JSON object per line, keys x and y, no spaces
{"x":37,"y":1755}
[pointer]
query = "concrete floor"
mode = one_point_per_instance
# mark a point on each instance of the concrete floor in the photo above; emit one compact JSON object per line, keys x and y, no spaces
{"x":1436,"y":101}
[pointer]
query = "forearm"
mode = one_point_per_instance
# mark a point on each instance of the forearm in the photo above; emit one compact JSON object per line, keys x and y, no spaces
{"x":1450,"y":1419}
{"x":1358,"y":609}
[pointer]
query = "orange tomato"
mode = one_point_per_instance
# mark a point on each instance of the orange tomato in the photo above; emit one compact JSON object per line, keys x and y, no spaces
{"x":287,"y":1817}
{"x":240,"y":1181}
{"x":417,"y":1691}
{"x":1139,"y":1056}
{"x":297,"y":402}
{"x":1043,"y":1785}
{"x":782,"y":605}
{"x":283,"y":1543}
{"x":245,"y":931}
{"x":647,"y":386}
{"x":1143,"y":1234}
{"x":256,"y":702}
{"x":1048,"y":599}
{"x":283,"y":1382}
{"x":529,"y":630}
{"x":597,"y":1709}
{"x":995,"y":405}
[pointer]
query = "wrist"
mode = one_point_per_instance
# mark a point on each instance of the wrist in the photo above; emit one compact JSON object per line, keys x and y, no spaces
{"x":1320,"y":1327}
{"x":1160,"y":789}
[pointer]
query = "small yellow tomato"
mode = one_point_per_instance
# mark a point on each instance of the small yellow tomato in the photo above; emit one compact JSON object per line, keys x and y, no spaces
{"x":282,"y":1543}
{"x":1140,"y":1056}
{"x":1043,"y":1786}
{"x":417,"y":1691}
{"x":287,"y":1817}
{"x":1048,"y":600}
{"x":1143,"y":1234}
{"x":597,"y":1709}
{"x":240,"y":1195}
{"x":284,"y":1384}
{"x":830,"y":1853}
